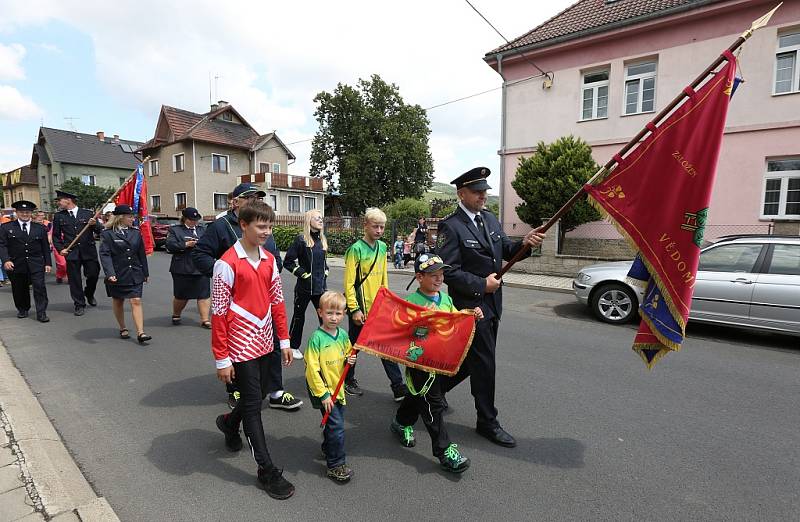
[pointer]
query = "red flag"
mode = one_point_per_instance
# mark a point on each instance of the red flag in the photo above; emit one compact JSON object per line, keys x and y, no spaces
{"x":658,"y":197}
{"x":412,"y":335}
{"x":134,"y":194}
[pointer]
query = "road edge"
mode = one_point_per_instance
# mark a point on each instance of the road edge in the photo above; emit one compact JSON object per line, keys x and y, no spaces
{"x":47,"y":467}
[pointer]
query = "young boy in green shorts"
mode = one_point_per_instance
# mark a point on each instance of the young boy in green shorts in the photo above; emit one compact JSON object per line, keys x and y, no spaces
{"x":424,"y":394}
{"x":365,"y":271}
{"x":328,"y":349}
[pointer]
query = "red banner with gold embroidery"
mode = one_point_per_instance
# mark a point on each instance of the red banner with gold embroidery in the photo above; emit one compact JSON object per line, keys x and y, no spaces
{"x":415,"y":336}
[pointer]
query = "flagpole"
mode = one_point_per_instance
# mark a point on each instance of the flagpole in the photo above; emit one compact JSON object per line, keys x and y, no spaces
{"x":100,"y":208}
{"x":605,"y":169}
{"x":335,"y":395}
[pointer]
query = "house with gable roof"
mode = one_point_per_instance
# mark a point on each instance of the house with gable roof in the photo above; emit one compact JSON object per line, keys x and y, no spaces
{"x":20,"y":183}
{"x":195,"y":160}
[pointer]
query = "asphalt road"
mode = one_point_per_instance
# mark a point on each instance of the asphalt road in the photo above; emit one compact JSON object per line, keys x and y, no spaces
{"x":710,"y":434}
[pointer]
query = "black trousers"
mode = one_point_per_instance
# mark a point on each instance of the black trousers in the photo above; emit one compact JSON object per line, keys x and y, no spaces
{"x":274,"y":380}
{"x":251,"y":377}
{"x":391,"y":368}
{"x":479,"y":366}
{"x":301,"y":300}
{"x":20,"y":290}
{"x":429,"y":406}
{"x":91,"y":269}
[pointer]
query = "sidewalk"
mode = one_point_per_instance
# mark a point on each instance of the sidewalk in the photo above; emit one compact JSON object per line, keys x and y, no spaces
{"x":38,"y":478}
{"x":514,"y":279}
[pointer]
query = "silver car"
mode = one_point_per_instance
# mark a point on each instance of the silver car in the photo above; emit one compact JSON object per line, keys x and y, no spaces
{"x":749,"y":281}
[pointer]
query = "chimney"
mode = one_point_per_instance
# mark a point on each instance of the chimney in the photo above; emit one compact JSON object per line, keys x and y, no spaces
{"x":101,"y":135}
{"x":116,"y":138}
{"x":222,"y":103}
{"x":214,"y":107}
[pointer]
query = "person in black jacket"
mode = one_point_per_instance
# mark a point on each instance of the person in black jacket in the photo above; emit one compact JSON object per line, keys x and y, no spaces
{"x":473,"y":244}
{"x":67,"y":224}
{"x":306,"y":260}
{"x":217,"y":239}
{"x":25,"y":255}
{"x":125,"y":266}
{"x":187,"y":281}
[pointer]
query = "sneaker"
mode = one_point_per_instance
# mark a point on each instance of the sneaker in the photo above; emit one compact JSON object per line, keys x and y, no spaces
{"x":453,"y":461}
{"x":400,"y":393}
{"x":297,"y":354}
{"x":405,"y":433}
{"x":233,"y":399}
{"x":233,"y":441}
{"x":341,"y":473}
{"x":351,"y":388}
{"x":286,"y":401}
{"x":274,"y":484}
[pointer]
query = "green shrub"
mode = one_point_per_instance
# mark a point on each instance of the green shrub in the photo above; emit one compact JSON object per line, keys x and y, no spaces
{"x":284,"y":235}
{"x":407,"y":209}
{"x":340,"y":239}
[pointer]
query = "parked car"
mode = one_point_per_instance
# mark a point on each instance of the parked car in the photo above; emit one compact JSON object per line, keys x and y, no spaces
{"x":160,"y":227}
{"x":750,"y":281}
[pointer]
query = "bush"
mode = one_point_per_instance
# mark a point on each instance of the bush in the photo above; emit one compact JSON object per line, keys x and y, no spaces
{"x":407,"y":209}
{"x":341,"y":238}
{"x":284,"y":235}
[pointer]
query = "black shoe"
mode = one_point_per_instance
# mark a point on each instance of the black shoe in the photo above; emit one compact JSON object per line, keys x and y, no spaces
{"x":351,"y":388}
{"x":453,"y":461}
{"x":233,"y":441}
{"x":400,"y":393}
{"x":91,"y":300}
{"x":286,"y":401}
{"x":497,"y":435}
{"x":22,"y":314}
{"x":143,"y":338}
{"x":341,"y":473}
{"x":274,"y":484}
{"x":80,"y":310}
{"x":42,"y":318}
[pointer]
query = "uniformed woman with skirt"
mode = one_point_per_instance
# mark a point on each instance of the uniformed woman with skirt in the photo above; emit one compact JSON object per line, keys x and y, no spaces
{"x":187,"y":281}
{"x":124,"y":263}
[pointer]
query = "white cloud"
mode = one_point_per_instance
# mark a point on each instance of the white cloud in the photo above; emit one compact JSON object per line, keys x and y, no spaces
{"x":50,"y":48}
{"x":13,"y":156}
{"x":15,"y":106}
{"x":10,"y":58}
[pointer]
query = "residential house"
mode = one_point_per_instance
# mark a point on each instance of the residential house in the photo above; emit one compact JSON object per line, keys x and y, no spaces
{"x":20,"y":184}
{"x":195,"y":160}
{"x":59,"y":155}
{"x":615,"y":63}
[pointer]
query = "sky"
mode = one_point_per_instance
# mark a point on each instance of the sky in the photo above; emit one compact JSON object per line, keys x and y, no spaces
{"x":95,"y":66}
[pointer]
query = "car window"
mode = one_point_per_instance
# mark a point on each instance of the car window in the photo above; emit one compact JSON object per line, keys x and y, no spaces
{"x":785,"y":260}
{"x":730,"y":258}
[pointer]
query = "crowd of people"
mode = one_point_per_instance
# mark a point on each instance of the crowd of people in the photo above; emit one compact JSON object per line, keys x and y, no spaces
{"x":232,"y":268}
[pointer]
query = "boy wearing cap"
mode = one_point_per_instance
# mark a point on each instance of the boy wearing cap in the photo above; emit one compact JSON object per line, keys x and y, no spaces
{"x":425,"y":396}
{"x":25,"y":256}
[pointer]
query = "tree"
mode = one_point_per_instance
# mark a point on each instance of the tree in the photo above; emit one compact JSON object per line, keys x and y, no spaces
{"x":407,"y":210}
{"x":546,"y":180}
{"x":443,"y":207}
{"x":373,"y":143}
{"x":89,"y":196}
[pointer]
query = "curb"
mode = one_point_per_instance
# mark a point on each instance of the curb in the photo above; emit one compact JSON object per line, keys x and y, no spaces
{"x":49,"y":471}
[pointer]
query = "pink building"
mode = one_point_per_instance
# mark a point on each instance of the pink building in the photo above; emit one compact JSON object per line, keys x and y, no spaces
{"x":616,"y":63}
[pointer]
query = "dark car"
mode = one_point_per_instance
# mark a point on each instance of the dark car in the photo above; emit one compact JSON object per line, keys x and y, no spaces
{"x":160,"y":226}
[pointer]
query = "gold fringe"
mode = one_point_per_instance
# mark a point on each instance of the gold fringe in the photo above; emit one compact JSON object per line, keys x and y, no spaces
{"x":641,"y":347}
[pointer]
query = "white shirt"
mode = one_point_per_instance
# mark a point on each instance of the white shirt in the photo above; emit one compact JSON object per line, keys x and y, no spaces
{"x":73,"y":211}
{"x":469,"y":213}
{"x":25,"y":225}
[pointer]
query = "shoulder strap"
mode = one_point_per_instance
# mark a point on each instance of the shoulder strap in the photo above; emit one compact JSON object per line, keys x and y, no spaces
{"x":375,"y":260}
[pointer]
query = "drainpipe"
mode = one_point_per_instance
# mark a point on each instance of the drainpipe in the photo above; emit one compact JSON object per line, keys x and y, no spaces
{"x":194,"y":175}
{"x":502,"y":141}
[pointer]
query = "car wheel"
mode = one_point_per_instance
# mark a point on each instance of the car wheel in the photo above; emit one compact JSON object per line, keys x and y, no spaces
{"x":614,"y":303}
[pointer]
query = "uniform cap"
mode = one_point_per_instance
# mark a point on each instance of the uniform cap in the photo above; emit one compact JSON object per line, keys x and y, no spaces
{"x":23,"y":204}
{"x":474,"y":179}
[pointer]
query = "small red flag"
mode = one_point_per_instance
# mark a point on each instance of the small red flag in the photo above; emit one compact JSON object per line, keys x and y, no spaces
{"x":134,"y":194}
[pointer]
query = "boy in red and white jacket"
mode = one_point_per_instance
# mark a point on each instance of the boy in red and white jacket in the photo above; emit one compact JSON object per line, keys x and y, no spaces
{"x":247,"y":303}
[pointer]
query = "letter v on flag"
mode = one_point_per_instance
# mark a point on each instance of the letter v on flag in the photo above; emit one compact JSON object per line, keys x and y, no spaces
{"x":658,"y":197}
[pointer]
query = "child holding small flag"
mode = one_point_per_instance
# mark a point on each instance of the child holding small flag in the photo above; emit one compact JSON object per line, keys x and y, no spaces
{"x":425,"y":396}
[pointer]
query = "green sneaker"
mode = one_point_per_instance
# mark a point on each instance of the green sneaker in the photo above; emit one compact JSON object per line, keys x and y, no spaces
{"x":406,"y":434}
{"x":453,"y":461}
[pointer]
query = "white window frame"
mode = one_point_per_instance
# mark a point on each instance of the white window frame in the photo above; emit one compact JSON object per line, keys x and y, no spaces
{"x":784,"y":176}
{"x":276,"y":168}
{"x":640,"y":78}
{"x":154,"y":167}
{"x":305,"y":203}
{"x":175,"y":195}
{"x":273,"y":202}
{"x":175,"y":162}
{"x":795,"y":87}
{"x":227,"y":163}
{"x":214,"y":200}
{"x":595,"y":88}
{"x":299,"y":203}
{"x":152,"y":202}
{"x":91,"y":181}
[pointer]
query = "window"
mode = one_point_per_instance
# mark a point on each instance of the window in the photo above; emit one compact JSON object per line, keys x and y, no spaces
{"x":311,"y":204}
{"x":220,"y":201}
{"x":782,"y":189}
{"x":273,"y":202}
{"x":155,"y":203}
{"x":595,"y":95}
{"x":122,"y":181}
{"x":219,"y":163}
{"x":177,"y":163}
{"x":263,"y":167}
{"x":785,"y":260}
{"x":730,"y":258}
{"x":55,"y":178}
{"x":787,"y":73}
{"x":153,"y":167}
{"x":640,"y":88}
{"x":89,"y":180}
{"x":276,"y":168}
{"x":294,"y":203}
{"x":180,"y":201}
{"x":227,"y":116}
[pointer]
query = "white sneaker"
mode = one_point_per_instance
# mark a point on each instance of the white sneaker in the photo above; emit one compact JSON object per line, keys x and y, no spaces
{"x":297,"y":354}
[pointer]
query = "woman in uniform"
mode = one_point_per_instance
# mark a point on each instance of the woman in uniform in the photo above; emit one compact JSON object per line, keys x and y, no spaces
{"x":187,"y":281}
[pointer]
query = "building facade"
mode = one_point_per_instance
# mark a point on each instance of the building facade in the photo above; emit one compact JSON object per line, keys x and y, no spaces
{"x":20,"y":184}
{"x":614,"y":64}
{"x":195,"y":160}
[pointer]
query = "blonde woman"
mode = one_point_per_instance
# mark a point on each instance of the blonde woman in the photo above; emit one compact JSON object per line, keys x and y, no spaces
{"x":306,"y":260}
{"x":124,"y":263}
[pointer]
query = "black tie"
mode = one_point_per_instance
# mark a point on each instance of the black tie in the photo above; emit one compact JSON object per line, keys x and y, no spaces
{"x":479,"y":222}
{"x":25,"y":228}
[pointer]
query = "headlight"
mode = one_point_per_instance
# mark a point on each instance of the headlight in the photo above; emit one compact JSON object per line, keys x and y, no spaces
{"x":584,"y":278}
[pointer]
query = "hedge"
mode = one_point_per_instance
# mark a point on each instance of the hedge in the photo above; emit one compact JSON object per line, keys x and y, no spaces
{"x":338,"y":239}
